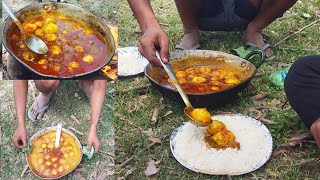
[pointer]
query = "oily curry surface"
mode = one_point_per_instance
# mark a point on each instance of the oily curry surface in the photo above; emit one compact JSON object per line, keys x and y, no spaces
{"x":47,"y":161}
{"x":74,"y":47}
{"x":202,"y":75}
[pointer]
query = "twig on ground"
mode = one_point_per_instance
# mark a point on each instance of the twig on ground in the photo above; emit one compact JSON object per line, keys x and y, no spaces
{"x":26,"y":167}
{"x":77,"y":131}
{"x":74,"y":118}
{"x":95,"y":171}
{"x":135,"y":88}
{"x":296,"y":32}
{"x":119,"y":166}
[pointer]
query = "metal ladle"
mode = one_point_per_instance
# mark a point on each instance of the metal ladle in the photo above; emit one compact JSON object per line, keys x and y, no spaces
{"x":189,"y":108}
{"x":35,"y":44}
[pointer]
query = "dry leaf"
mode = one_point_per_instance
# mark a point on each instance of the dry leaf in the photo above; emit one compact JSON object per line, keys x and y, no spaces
{"x":279,"y":151}
{"x":300,"y":137}
{"x":151,"y":168}
{"x":155,"y":115}
{"x":275,"y":101}
{"x":296,"y":140}
{"x":148,"y":132}
{"x":154,"y":140}
{"x":259,"y":96}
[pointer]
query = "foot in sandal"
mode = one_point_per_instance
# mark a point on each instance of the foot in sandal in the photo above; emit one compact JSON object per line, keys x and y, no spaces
{"x":190,"y":41}
{"x":255,"y":39}
{"x":39,"y":107}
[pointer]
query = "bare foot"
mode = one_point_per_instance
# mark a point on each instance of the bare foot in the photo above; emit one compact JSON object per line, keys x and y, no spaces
{"x":256,"y":38}
{"x":190,"y":39}
{"x":43,"y":100}
{"x":86,"y":87}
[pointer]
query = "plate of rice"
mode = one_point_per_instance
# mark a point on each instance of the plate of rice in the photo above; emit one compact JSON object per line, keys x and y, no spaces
{"x":130,"y":61}
{"x":190,"y":150}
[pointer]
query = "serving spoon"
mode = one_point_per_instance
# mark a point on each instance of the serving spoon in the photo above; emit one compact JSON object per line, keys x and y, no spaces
{"x":58,"y":136}
{"x":33,"y":43}
{"x":189,"y":108}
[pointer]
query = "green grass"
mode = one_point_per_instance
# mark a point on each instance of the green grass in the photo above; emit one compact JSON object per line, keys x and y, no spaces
{"x":134,"y":109}
{"x":66,"y":101}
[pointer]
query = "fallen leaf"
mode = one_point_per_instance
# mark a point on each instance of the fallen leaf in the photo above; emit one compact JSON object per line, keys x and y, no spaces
{"x":267,"y":121}
{"x":300,"y":137}
{"x":261,"y":116}
{"x":155,"y":115}
{"x":154,"y":139}
{"x":151,"y":168}
{"x":259,"y":96}
{"x":296,"y":139}
{"x":279,"y":151}
{"x":148,"y":132}
{"x":275,"y":101}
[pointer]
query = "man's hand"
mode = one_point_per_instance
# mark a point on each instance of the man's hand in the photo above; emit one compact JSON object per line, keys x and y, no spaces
{"x":315,"y":131}
{"x":93,"y":140}
{"x":154,"y":38}
{"x":19,"y":138}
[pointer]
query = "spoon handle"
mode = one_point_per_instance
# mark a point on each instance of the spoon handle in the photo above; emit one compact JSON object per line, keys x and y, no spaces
{"x":14,"y":18}
{"x":168,"y":69}
{"x":58,"y":135}
{"x":6,"y":7}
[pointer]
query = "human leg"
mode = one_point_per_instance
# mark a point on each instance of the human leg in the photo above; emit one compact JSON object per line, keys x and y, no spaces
{"x":269,"y":10}
{"x":46,"y":87}
{"x":188,"y":11}
{"x":302,"y":86}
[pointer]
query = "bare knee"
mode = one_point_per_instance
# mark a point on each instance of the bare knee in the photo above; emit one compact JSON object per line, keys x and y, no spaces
{"x":46,"y":86}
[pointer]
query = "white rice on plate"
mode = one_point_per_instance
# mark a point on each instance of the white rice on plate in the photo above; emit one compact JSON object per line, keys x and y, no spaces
{"x":188,"y":147}
{"x":130,"y":61}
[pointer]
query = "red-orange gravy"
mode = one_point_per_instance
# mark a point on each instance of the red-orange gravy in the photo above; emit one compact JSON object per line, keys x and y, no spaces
{"x":196,"y":75}
{"x":74,"y":47}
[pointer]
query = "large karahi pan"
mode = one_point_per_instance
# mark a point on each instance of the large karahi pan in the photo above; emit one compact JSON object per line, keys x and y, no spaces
{"x":70,"y":10}
{"x":214,"y":98}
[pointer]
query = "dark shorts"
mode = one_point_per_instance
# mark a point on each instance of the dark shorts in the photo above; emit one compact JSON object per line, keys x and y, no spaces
{"x":226,"y":15}
{"x":302,"y":86}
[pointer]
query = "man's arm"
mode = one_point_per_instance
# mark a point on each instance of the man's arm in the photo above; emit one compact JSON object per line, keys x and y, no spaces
{"x":142,"y":10}
{"x":20,"y":91}
{"x":153,"y":38}
{"x":97,"y":100}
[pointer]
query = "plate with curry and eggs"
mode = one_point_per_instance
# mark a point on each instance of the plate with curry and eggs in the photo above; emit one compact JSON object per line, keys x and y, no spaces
{"x":49,"y":162}
{"x":231,"y":145}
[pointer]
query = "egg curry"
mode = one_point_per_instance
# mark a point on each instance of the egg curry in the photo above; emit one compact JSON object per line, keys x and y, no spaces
{"x":219,"y":137}
{"x":74,"y":47}
{"x":47,"y":161}
{"x":201,"y":115}
{"x":202,"y":75}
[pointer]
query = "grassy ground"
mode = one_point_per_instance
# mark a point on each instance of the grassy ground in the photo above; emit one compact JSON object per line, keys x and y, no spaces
{"x":67,"y":100}
{"x":134,"y":109}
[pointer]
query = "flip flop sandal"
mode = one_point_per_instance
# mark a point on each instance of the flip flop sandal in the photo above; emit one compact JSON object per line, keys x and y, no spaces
{"x":36,"y":107}
{"x":266,"y":46}
{"x":181,"y":47}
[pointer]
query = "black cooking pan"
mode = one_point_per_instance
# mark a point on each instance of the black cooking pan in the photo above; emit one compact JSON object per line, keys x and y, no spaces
{"x":215,"y":98}
{"x":71,"y":10}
